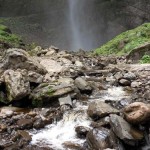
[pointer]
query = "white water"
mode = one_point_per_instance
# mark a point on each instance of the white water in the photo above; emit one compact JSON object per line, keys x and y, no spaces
{"x":75,"y":24}
{"x":64,"y":131}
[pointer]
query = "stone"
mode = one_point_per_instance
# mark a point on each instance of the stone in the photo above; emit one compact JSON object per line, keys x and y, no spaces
{"x":82,"y":131}
{"x":34,"y":77}
{"x":129,"y":76}
{"x":17,"y":85}
{"x":82,"y":84}
{"x":38,"y":124}
{"x":124,"y":130}
{"x":100,"y":139}
{"x":65,"y":100}
{"x":51,"y":65}
{"x":99,"y":109}
{"x":17,"y":58}
{"x":124,"y":82}
{"x":45,"y":92}
{"x":25,"y":123}
{"x":25,"y":135}
{"x":137,"y":112}
{"x":79,"y":63}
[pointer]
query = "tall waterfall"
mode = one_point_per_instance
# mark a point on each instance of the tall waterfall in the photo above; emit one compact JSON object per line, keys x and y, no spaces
{"x":75,"y":25}
{"x":80,"y":24}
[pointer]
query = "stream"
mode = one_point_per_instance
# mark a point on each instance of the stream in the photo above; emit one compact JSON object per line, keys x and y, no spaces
{"x":58,"y":133}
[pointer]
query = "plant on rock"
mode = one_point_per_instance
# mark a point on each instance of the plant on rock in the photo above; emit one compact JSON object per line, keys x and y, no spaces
{"x":145,"y":59}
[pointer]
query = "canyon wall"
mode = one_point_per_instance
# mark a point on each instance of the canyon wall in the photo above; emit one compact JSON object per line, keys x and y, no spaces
{"x":47,"y":22}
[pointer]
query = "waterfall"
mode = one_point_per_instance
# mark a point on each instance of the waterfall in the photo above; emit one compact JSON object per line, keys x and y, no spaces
{"x":80,"y":24}
{"x":75,"y":24}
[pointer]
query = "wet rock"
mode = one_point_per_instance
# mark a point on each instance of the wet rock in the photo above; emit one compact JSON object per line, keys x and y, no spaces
{"x":17,"y":85}
{"x":25,"y":123}
{"x":124,"y":130}
{"x":82,"y":131}
{"x":25,"y":135}
{"x":137,"y":112}
{"x":82,"y":84}
{"x":17,"y":58}
{"x":100,"y":139}
{"x":72,"y":146}
{"x":104,"y":122}
{"x":35,"y":77}
{"x":124,"y":82}
{"x":39,"y":123}
{"x":99,"y":109}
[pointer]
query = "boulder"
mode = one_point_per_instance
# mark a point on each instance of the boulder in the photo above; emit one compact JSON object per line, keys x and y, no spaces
{"x":99,"y":109}
{"x":124,"y":130}
{"x":51,"y":65}
{"x":100,"y":139}
{"x":82,"y":84}
{"x":17,"y":85}
{"x":18,"y":58}
{"x":46,"y":92}
{"x":137,"y":112}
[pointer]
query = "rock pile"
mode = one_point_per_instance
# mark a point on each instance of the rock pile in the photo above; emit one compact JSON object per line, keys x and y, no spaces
{"x":40,"y":88}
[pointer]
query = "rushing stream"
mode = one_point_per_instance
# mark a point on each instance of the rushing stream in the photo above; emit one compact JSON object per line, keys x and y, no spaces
{"x":56,"y":134}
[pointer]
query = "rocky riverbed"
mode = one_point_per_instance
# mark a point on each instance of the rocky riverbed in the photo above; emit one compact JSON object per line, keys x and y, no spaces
{"x":59,"y":100}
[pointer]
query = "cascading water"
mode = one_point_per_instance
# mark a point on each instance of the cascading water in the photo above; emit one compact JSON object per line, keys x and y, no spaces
{"x":74,"y":24}
{"x":80,"y":24}
{"x":55,"y":135}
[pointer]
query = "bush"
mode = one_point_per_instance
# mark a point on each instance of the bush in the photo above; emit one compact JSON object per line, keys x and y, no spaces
{"x":145,"y":59}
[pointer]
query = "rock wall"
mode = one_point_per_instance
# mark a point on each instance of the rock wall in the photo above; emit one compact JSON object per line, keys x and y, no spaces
{"x":45,"y":22}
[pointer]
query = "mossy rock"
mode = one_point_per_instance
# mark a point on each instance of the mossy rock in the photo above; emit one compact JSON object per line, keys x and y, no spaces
{"x":126,"y":41}
{"x":8,"y":40}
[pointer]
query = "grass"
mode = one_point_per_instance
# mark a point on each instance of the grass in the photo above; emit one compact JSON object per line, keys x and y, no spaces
{"x":126,"y":41}
{"x":7,"y":37}
{"x":145,"y":59}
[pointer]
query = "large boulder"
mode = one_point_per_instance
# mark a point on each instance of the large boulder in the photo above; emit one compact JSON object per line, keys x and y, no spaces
{"x":17,"y":85}
{"x":18,"y":58}
{"x":99,"y":109}
{"x":47,"y":92}
{"x":100,"y":139}
{"x":124,"y":130}
{"x":137,"y":112}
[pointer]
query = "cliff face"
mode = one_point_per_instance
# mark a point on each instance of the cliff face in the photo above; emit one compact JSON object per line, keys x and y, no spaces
{"x":46,"y":22}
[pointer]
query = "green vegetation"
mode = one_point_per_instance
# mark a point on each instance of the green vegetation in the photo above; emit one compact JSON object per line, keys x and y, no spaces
{"x":126,"y":41}
{"x":8,"y":38}
{"x":145,"y":59}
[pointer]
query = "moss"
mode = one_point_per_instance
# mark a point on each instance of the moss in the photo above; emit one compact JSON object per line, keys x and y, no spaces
{"x":145,"y":59}
{"x":126,"y":41}
{"x":7,"y":37}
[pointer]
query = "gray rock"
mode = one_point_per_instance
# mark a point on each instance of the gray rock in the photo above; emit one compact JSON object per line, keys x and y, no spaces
{"x":17,"y":85}
{"x":45,"y":92}
{"x":99,"y":109}
{"x":124,"y":130}
{"x":17,"y":58}
{"x":100,"y":139}
{"x":124,"y":82}
{"x":130,"y":76}
{"x":35,"y":77}
{"x":82,"y":84}
{"x":65,"y":100}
